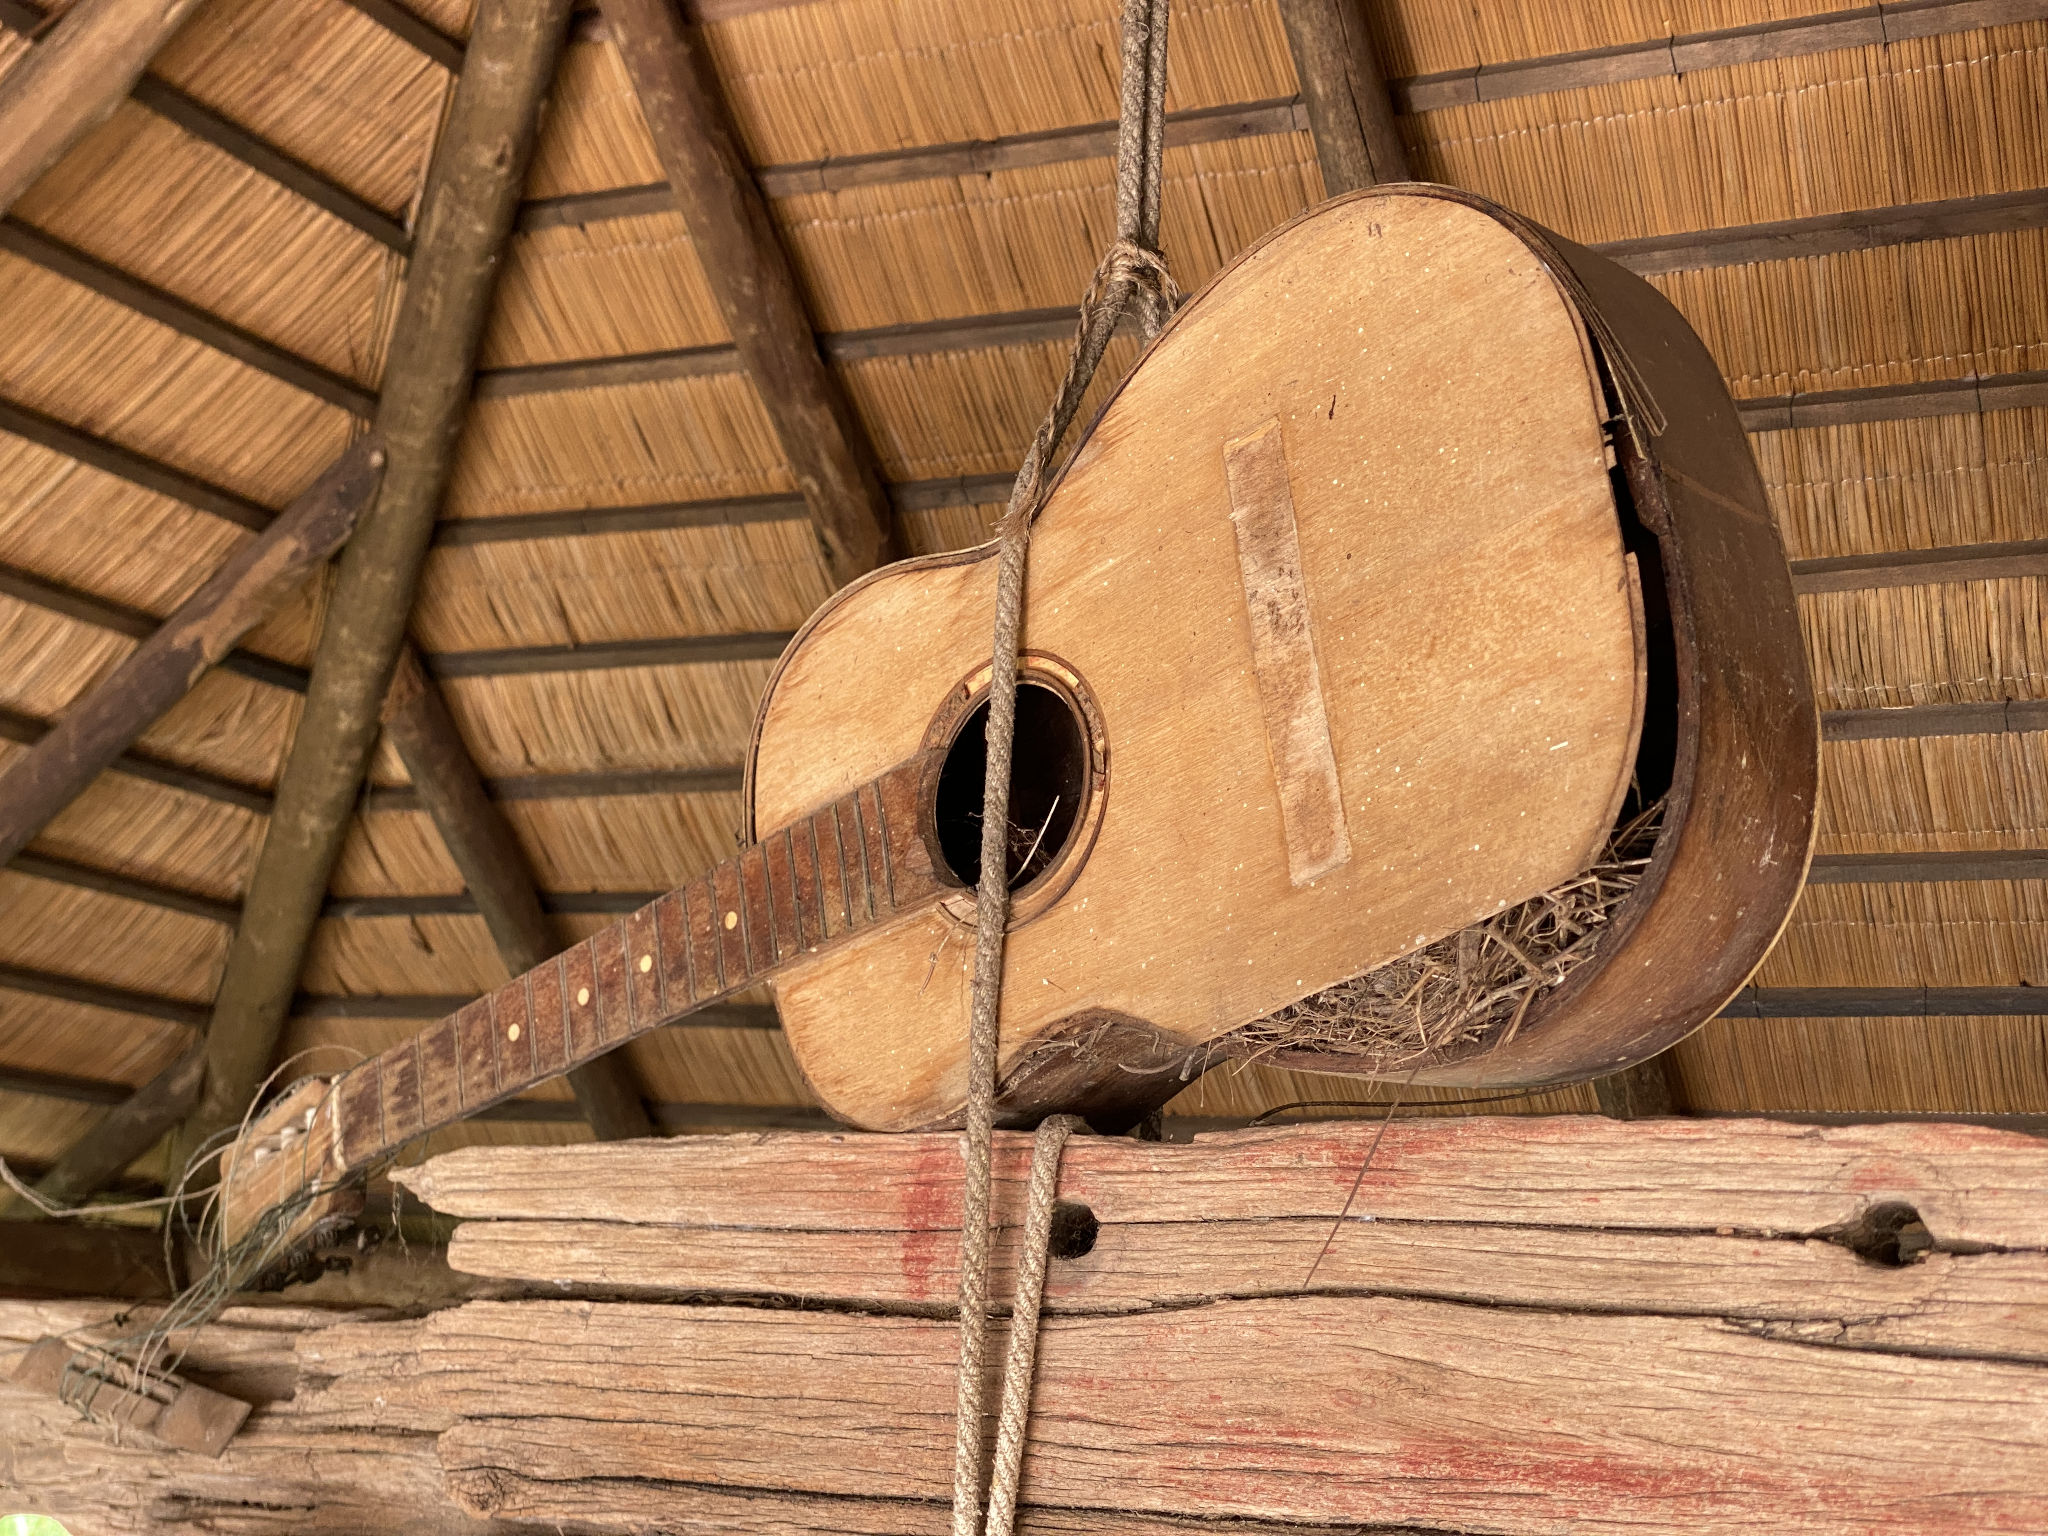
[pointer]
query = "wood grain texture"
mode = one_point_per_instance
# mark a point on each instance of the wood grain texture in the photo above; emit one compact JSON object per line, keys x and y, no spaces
{"x":1480,"y":737}
{"x":1284,"y":654}
{"x":1525,"y":1328}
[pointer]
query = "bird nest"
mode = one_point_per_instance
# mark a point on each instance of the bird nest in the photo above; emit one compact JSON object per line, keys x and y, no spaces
{"x":1476,"y":984}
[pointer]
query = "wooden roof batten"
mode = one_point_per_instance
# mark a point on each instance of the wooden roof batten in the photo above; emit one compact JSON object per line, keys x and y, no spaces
{"x":754,"y":284}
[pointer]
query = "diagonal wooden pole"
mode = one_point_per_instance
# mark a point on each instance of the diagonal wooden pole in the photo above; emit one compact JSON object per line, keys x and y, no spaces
{"x":72,"y":80}
{"x":1350,"y":111}
{"x":466,"y":213}
{"x":494,"y":868}
{"x":246,"y":590}
{"x":750,"y":276}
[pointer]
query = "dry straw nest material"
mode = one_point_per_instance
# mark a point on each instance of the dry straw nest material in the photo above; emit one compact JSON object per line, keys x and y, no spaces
{"x":1473,"y":984}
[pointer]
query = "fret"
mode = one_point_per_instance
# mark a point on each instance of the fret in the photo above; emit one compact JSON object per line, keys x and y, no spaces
{"x":399,"y":1080}
{"x":875,"y":850}
{"x":701,"y":920}
{"x":803,"y":878}
{"x":610,"y":995}
{"x":549,"y":1017}
{"x":359,"y":1106}
{"x":512,"y":1027}
{"x":757,"y":918}
{"x":476,"y":1056}
{"x":832,"y":906}
{"x":782,"y":896}
{"x":579,"y":994}
{"x":853,"y":864}
{"x":643,"y":977}
{"x":440,"y":1074}
{"x":725,"y":911}
{"x":672,"y":938}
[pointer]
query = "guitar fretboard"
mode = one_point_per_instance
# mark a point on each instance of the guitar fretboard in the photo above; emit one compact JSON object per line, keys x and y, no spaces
{"x":855,"y":863}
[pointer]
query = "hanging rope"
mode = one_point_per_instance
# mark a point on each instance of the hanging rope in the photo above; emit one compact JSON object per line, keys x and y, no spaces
{"x":1132,"y":275}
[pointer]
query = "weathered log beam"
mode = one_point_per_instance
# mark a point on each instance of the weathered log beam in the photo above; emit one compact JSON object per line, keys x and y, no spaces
{"x":95,"y":731}
{"x":123,"y":1134}
{"x":494,"y":868}
{"x":54,"y":1258}
{"x":72,"y":79}
{"x":754,"y":284}
{"x":1350,"y":111}
{"x":466,"y":211}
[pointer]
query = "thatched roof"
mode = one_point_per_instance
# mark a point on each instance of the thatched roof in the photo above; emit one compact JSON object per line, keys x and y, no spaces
{"x":134,"y":456}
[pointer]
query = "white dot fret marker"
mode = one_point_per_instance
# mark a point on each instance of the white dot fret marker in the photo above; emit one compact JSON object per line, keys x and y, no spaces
{"x":583,"y":997}
{"x":732,"y":921}
{"x":646,"y":963}
{"x":511,"y":1031}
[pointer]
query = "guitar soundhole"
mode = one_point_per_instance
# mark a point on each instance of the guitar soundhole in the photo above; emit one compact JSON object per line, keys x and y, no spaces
{"x":1048,"y":786}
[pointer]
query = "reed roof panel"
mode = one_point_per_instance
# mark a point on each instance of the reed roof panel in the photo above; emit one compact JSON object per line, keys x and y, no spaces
{"x":1976,"y":933}
{"x":96,"y":365}
{"x":144,"y":196}
{"x":626,"y":842}
{"x":681,"y":440}
{"x":715,"y":1065}
{"x":726,"y":579}
{"x":1930,"y":793}
{"x":321,"y":81}
{"x":440,"y":955}
{"x":1873,"y":486}
{"x":1423,"y":37}
{"x":66,"y":1039}
{"x":1957,"y":642}
{"x":47,"y":926}
{"x":1961,"y":1066}
{"x":622,"y":718}
{"x":1916,"y":121}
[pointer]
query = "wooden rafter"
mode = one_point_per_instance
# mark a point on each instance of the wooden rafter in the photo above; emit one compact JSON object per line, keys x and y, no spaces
{"x":466,"y":212}
{"x":1350,"y":110}
{"x":95,"y":731}
{"x":72,"y":80}
{"x":494,"y":868}
{"x":751,"y":278}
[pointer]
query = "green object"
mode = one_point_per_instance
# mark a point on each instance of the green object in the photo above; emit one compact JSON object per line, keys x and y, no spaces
{"x":30,"y":1525}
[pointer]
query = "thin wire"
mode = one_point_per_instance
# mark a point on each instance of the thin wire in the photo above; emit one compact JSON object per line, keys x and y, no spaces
{"x":1370,"y":1152}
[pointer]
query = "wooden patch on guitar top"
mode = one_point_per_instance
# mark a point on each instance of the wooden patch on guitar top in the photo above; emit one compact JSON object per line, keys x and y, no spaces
{"x":1284,"y":654}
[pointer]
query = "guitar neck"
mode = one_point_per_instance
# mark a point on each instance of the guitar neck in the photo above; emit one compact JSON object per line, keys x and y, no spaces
{"x":857,"y":862}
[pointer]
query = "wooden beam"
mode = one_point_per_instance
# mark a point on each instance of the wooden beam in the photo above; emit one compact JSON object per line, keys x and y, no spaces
{"x":1894,"y":402}
{"x":428,"y":1008}
{"x":136,"y":624}
{"x":1645,"y":1091}
{"x":581,"y":786}
{"x":1350,"y":112}
{"x":1922,"y":567}
{"x":408,"y":27}
{"x":57,"y":1258}
{"x":585,"y":522}
{"x":1886,"y":1002}
{"x":465,"y":214}
{"x":677,"y":651}
{"x":494,"y":867}
{"x":755,"y":286}
{"x":93,"y":994}
{"x":96,"y":730}
{"x":110,"y":282}
{"x":1919,"y":868}
{"x":124,"y":1133}
{"x":73,"y":79}
{"x":464,"y":904}
{"x":1934,"y":720}
{"x":126,"y":887}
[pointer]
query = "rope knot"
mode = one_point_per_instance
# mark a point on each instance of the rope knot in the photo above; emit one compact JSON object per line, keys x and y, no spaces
{"x":1133,"y":274}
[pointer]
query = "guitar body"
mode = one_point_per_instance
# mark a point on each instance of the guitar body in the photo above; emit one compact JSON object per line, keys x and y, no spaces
{"x":1337,"y":597}
{"x":1412,"y":545}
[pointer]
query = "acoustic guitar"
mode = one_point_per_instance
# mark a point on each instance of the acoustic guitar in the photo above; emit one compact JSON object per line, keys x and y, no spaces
{"x":1412,"y":542}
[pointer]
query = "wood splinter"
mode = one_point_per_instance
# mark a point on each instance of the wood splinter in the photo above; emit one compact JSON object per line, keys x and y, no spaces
{"x":109,"y":1390}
